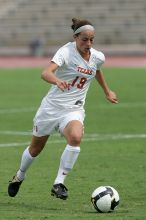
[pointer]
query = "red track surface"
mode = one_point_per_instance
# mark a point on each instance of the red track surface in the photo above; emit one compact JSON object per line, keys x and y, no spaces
{"x":24,"y":62}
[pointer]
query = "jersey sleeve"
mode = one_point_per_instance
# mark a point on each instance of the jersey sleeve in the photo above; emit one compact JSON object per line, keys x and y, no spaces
{"x":58,"y":58}
{"x":100,"y":60}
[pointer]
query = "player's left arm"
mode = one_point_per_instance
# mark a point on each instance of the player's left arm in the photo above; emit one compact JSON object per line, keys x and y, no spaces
{"x":110,"y":95}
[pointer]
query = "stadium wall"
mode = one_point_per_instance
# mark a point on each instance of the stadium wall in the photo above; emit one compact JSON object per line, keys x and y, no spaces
{"x":120,"y":25}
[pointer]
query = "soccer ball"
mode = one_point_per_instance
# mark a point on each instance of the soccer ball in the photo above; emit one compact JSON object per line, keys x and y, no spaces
{"x":105,"y":199}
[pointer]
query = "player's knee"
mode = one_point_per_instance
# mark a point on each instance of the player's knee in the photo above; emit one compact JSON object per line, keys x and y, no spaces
{"x":35,"y":151}
{"x":75,"y":139}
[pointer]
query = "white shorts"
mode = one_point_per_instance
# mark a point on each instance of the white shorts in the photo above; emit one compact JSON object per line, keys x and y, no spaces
{"x":49,"y":120}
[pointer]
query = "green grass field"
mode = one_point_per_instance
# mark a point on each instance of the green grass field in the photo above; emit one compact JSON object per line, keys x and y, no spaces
{"x":113,"y":149}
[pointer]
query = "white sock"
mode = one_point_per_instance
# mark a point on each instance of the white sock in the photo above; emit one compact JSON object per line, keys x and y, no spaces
{"x":26,"y":161}
{"x":67,"y":162}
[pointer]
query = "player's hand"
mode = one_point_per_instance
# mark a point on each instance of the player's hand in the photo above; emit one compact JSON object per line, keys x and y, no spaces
{"x":111,"y":96}
{"x":62,"y":84}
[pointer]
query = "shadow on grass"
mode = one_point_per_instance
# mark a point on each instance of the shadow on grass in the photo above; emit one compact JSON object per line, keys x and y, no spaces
{"x":7,"y":206}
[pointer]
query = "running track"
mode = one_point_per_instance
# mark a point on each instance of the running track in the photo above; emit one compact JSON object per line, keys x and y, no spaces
{"x":24,"y":62}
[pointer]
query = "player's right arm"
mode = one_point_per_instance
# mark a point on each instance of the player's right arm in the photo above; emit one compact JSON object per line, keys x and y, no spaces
{"x":49,"y":76}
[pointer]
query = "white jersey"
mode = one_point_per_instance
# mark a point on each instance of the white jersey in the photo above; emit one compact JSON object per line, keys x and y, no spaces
{"x":77,"y":72}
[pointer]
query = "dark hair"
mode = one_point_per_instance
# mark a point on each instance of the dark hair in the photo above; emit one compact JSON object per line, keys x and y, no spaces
{"x":77,"y":23}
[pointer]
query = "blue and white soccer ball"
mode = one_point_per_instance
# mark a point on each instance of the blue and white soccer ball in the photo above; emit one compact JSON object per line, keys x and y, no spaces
{"x":105,"y":199}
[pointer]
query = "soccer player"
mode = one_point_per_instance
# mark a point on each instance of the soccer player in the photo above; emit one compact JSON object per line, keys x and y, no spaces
{"x":70,"y":72}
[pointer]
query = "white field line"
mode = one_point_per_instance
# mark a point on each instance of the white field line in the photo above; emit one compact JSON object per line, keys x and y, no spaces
{"x":33,"y":109}
{"x":15,"y":133}
{"x":86,"y":135}
{"x":17,"y":110}
{"x":87,"y":138}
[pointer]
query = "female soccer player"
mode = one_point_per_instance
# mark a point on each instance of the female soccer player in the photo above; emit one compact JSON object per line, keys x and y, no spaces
{"x":70,"y":72}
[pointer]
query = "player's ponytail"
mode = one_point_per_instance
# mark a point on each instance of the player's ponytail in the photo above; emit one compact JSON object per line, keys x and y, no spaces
{"x":77,"y":23}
